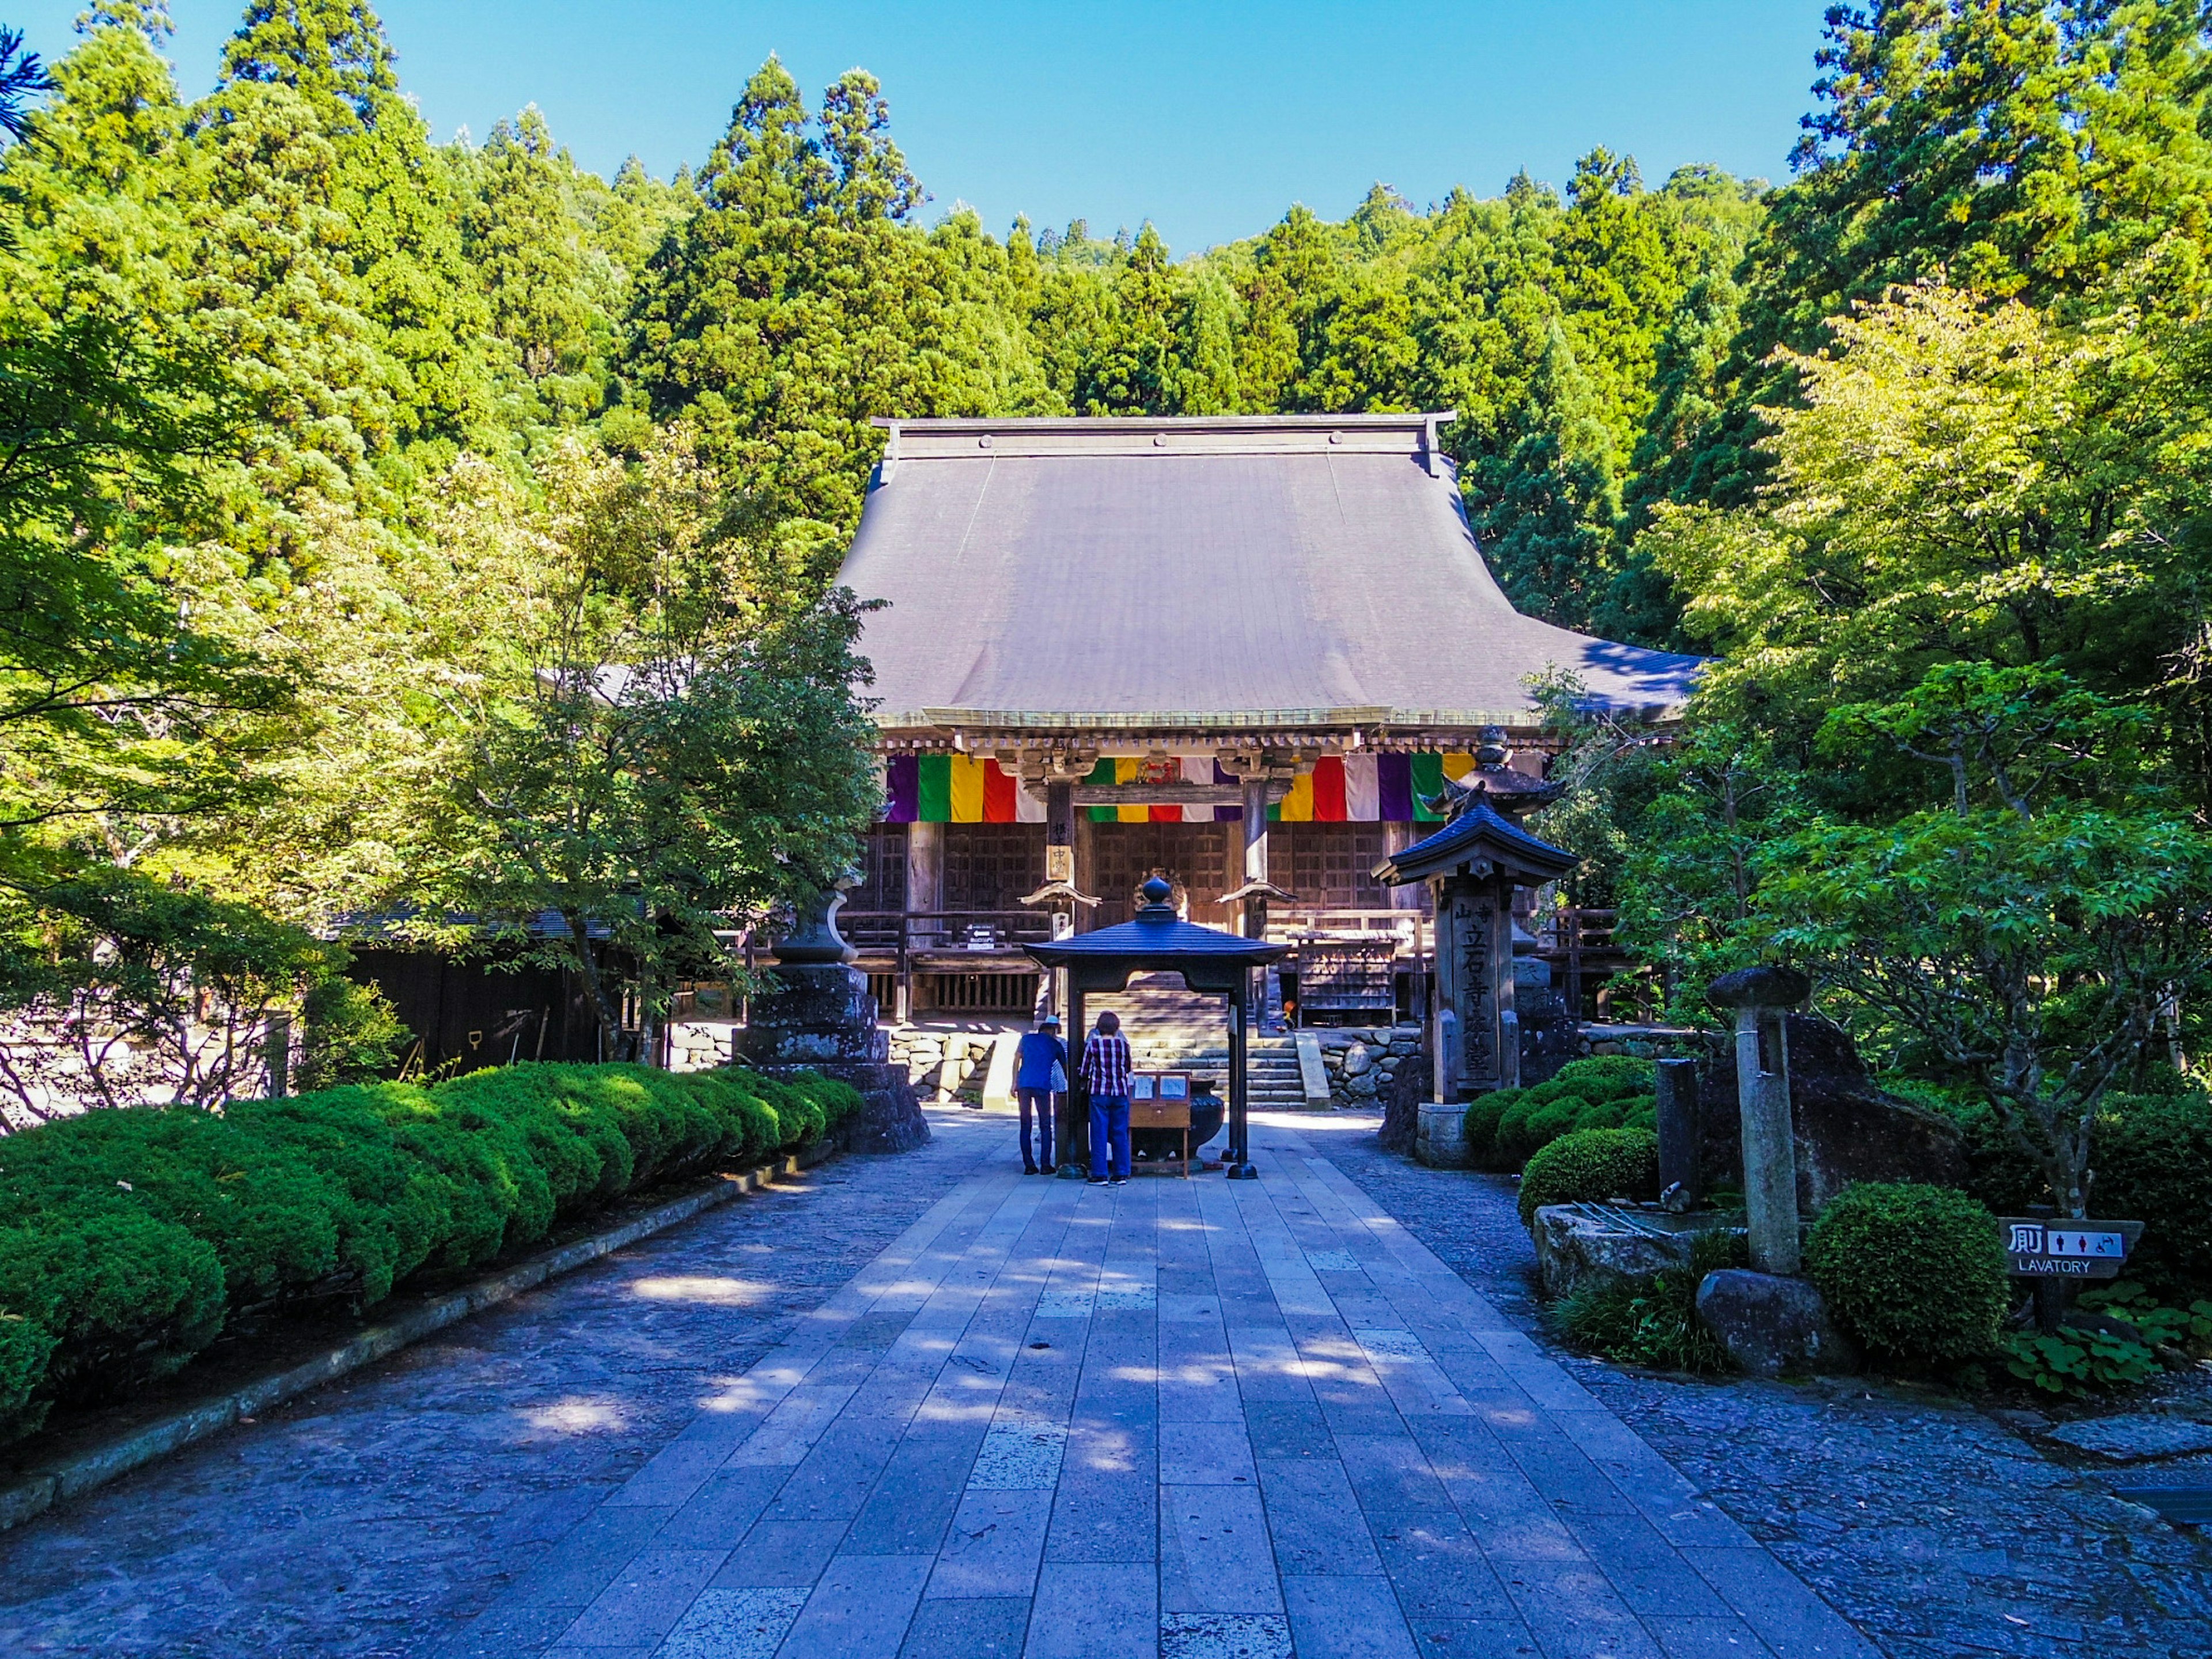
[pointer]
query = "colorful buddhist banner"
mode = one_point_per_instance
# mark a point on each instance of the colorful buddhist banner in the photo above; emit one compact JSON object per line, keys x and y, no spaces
{"x":954,"y":789}
{"x":1340,"y":789}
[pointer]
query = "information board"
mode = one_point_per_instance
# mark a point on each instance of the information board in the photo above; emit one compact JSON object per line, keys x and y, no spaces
{"x":2046,"y":1248}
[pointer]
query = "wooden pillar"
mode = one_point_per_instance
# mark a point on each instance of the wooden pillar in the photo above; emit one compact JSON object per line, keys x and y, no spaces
{"x":1504,"y":1015}
{"x":925,"y":868}
{"x":925,"y":892}
{"x":1481,"y":1050}
{"x":1396,"y":838}
{"x":1085,"y":841}
{"x":1238,"y":1157}
{"x":1255,"y":854}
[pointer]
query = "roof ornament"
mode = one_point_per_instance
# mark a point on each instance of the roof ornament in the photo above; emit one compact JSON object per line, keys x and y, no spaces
{"x":1495,"y":782}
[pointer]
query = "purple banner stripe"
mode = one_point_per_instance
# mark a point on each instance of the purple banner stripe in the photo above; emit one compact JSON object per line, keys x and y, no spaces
{"x":1225,"y":814}
{"x":902,"y":789}
{"x":1394,"y":787}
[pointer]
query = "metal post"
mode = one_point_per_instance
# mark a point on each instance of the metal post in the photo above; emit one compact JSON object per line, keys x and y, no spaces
{"x":1239,"y":1157}
{"x":1075,"y":1104}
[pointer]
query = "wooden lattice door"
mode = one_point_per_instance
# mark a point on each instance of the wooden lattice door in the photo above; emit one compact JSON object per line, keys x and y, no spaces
{"x":1194,"y":856}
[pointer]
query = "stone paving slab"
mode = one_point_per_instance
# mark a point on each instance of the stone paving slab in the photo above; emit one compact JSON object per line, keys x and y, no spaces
{"x":1191,"y":1418}
{"x":1245,"y":1419}
{"x":1935,"y":1528}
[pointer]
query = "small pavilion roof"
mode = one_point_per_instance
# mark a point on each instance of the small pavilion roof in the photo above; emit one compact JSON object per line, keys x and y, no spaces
{"x":1480,"y":832}
{"x":1155,"y":941}
{"x":1202,"y":574}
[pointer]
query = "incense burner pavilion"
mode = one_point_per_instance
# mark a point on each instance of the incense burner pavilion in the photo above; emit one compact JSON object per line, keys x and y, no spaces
{"x":1245,"y":654}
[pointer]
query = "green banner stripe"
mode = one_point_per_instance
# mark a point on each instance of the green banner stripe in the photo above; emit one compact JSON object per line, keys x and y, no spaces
{"x":934,"y":793}
{"x":1428,"y":780}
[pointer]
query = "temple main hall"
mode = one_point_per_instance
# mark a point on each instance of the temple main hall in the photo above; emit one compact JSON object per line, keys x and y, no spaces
{"x":1242,"y":652}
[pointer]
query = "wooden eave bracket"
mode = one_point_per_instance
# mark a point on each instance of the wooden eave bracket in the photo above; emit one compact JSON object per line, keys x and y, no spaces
{"x":1060,"y":892}
{"x":1266,"y":890}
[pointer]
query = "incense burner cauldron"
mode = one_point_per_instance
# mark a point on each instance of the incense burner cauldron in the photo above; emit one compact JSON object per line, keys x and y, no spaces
{"x":1207,"y":1110}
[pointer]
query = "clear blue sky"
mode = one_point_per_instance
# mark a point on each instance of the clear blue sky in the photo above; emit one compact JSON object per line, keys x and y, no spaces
{"x":1210,"y":119}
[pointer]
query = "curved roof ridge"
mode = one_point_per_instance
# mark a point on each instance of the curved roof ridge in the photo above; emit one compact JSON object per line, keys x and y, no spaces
{"x":1137,"y":568}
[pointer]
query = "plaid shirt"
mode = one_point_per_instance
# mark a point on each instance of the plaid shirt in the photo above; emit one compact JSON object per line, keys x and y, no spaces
{"x":1106,"y":1063}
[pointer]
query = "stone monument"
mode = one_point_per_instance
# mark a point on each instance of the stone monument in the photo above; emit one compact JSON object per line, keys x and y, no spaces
{"x":1761,"y":998}
{"x":819,"y":1017}
{"x":1474,"y":866}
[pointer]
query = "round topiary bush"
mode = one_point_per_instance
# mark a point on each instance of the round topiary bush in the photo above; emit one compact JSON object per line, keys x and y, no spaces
{"x":1605,"y":1091}
{"x":1590,"y":1164}
{"x":1915,"y":1273}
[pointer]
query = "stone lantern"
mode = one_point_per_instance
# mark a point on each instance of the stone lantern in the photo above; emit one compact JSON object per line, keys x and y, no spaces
{"x":819,"y":1017}
{"x":1474,"y":866}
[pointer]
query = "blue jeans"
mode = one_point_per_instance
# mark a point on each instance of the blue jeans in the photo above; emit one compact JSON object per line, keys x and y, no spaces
{"x":1041,"y":1101}
{"x":1109,"y":1124}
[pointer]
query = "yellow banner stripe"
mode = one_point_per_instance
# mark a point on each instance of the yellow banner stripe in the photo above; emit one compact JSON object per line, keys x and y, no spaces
{"x":967,"y":789}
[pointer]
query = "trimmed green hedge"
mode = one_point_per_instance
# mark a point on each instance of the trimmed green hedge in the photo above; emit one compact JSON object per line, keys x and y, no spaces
{"x":1915,"y":1273}
{"x":135,"y":1236}
{"x":1591,"y":1165}
{"x":1504,"y":1128}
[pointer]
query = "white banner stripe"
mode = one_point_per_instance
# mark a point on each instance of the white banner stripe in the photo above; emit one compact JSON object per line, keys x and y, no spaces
{"x":1363,"y":793}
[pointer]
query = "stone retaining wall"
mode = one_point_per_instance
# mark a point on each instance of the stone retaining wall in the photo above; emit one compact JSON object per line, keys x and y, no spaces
{"x":1362,"y":1059}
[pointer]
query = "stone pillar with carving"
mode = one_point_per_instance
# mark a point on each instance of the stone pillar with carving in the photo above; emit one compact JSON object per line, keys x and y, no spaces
{"x":819,"y":1017}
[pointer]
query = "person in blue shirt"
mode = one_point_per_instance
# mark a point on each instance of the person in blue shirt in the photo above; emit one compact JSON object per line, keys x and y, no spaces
{"x":1039,"y":1053}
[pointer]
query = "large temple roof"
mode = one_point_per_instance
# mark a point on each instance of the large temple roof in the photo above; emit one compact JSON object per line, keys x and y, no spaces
{"x":1201,"y":574}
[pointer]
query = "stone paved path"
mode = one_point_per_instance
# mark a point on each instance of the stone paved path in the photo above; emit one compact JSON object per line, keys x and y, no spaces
{"x":371,"y":1517}
{"x":1189,"y":1419}
{"x":1936,"y":1528}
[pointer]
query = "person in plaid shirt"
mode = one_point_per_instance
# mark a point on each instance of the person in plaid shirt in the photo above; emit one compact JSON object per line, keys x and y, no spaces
{"x":1106,"y":1077}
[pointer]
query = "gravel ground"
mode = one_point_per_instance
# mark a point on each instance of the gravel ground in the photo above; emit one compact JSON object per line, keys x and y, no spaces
{"x":376,"y":1515}
{"x":1934,"y":1527}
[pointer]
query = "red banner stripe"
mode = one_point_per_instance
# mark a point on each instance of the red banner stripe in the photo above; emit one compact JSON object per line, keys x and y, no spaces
{"x":1328,"y":790}
{"x":997,"y":795}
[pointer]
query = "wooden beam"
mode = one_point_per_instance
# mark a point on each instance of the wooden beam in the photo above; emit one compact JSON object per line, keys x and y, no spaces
{"x":1168,"y":794}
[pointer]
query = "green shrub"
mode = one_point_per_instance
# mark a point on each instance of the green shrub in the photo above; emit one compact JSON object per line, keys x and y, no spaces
{"x":137,"y":1232}
{"x":1591,"y":1163}
{"x":351,"y":1034}
{"x":1606,"y":1091}
{"x":2152,"y":1162}
{"x":25,"y":1347}
{"x":126,"y":1296}
{"x":1917,"y":1273}
{"x":1654,"y":1322}
{"x":1483,"y":1113}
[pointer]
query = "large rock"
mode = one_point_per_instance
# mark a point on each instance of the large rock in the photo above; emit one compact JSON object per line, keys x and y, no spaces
{"x":1846,"y":1128}
{"x":1550,"y":1035}
{"x":1773,"y":1326}
{"x":1409,"y":1086}
{"x":1581,"y":1245}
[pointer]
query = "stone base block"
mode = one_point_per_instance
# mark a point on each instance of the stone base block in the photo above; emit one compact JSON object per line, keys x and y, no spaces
{"x":889,"y":1119}
{"x":1588,"y":1245}
{"x":1440,"y":1136}
{"x":1771,"y":1325}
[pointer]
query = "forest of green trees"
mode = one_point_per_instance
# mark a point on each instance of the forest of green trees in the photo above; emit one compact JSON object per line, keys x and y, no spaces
{"x":334,"y":463}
